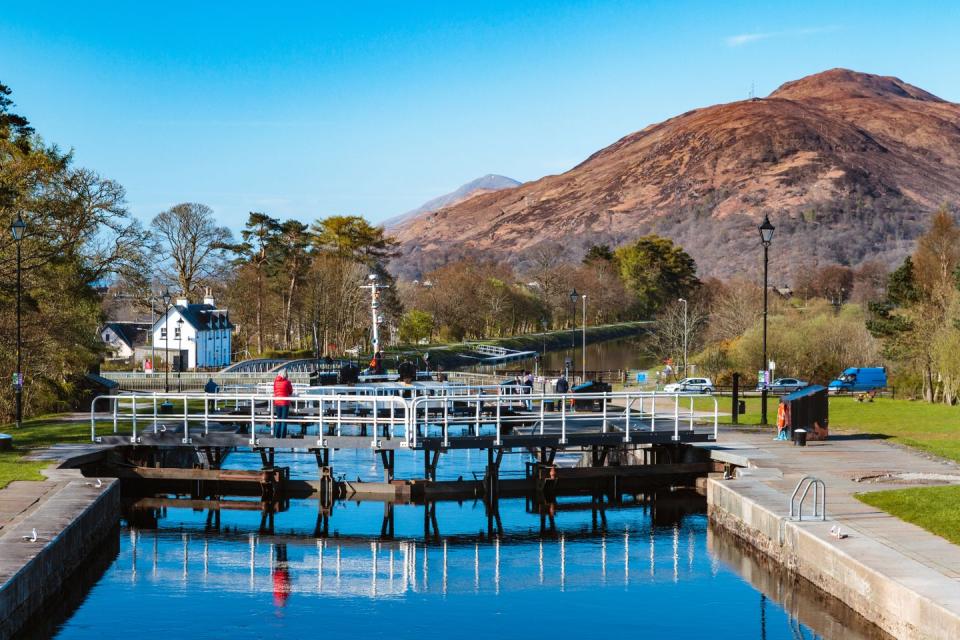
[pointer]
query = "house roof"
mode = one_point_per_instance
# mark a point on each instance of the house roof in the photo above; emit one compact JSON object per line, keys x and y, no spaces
{"x":203,"y":317}
{"x":133,"y":334}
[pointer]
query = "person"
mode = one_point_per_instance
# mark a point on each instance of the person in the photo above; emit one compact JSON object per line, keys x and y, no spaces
{"x":562,"y":386}
{"x":282,"y":391}
{"x":211,"y":386}
{"x":528,"y":388}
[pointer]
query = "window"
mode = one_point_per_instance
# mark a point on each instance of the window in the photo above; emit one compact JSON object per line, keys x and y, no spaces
{"x":176,"y":332}
{"x":163,"y":332}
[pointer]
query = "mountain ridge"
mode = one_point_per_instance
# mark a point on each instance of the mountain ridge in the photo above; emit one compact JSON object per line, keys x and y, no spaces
{"x":848,"y":163}
{"x":483,"y":184}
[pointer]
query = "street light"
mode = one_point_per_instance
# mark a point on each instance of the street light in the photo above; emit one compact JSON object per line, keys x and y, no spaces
{"x":17,"y":229}
{"x":684,"y":301}
{"x":179,"y":352}
{"x":766,"y":237}
{"x":584,"y":347}
{"x":574,"y":296}
{"x":166,"y":333}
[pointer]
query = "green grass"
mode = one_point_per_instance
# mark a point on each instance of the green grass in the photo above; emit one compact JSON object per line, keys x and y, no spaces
{"x":36,"y":433}
{"x":934,"y":428}
{"x":932,"y":508}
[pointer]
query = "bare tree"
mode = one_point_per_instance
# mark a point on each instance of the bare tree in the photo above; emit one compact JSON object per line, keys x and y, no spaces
{"x":192,"y":243}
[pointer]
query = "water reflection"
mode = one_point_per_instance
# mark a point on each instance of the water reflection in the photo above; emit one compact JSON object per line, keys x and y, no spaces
{"x":599,"y":567}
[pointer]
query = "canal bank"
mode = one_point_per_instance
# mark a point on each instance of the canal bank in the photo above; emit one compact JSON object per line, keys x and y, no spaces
{"x":899,"y":577}
{"x":462,"y":355}
{"x":48,"y":530}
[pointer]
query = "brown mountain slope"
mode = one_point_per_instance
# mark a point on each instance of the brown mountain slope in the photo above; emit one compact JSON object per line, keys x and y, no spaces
{"x":848,"y":165}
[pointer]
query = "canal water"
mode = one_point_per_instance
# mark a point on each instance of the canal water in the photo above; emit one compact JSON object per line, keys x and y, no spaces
{"x":609,"y":355}
{"x":650,"y":567}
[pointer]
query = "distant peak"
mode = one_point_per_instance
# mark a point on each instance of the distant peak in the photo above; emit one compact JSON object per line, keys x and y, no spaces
{"x":839,"y":83}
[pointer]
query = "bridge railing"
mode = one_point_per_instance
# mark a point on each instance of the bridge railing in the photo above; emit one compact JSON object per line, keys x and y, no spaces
{"x":562,"y":413}
{"x":456,"y":411}
{"x":132,"y":415}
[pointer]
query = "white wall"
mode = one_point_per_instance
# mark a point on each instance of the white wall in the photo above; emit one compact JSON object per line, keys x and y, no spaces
{"x":211,"y":348}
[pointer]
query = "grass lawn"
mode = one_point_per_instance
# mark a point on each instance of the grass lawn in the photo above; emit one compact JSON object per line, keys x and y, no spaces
{"x":36,"y":433}
{"x":934,"y":428}
{"x":933,"y":508}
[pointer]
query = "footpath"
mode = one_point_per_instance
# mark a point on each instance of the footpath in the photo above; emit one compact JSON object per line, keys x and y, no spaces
{"x":897,"y":575}
{"x":47,"y":531}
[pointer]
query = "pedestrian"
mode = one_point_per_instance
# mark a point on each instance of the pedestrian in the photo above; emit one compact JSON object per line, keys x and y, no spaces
{"x":528,"y":388}
{"x":211,"y":386}
{"x":282,"y":392}
{"x":561,"y":386}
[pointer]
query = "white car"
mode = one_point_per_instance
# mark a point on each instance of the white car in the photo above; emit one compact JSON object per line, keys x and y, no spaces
{"x":690,"y":385}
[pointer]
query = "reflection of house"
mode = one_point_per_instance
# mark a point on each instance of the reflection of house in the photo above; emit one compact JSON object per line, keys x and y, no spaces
{"x":123,"y":338}
{"x":199,"y":335}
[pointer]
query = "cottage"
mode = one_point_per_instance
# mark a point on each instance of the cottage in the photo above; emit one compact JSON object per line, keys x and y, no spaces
{"x":123,"y":338}
{"x":197,"y":335}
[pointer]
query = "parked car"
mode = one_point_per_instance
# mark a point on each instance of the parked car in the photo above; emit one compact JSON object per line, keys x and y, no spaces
{"x":690,"y":385}
{"x":785,"y":385}
{"x":859,"y":379}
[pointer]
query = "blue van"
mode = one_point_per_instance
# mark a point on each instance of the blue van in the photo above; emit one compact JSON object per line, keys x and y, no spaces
{"x":857,"y":379}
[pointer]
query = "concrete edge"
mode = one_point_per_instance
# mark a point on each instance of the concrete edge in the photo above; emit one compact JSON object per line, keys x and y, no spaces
{"x":71,"y":523}
{"x":898,"y":594}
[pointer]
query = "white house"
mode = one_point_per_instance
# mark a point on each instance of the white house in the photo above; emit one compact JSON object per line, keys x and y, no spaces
{"x":198,"y":335}
{"x":123,"y":338}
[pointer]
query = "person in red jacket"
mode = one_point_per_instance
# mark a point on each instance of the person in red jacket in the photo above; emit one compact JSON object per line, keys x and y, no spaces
{"x":282,"y":390}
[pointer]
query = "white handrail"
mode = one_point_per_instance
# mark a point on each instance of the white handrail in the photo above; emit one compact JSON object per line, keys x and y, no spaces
{"x":498,"y":408}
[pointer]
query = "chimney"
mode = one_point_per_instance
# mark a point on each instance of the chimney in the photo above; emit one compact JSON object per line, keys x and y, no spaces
{"x":208,"y":297}
{"x":181,"y":302}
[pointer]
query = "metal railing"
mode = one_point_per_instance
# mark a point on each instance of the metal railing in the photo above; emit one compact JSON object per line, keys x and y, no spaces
{"x":251,"y":415}
{"x":450,"y":412}
{"x":559,"y":414}
{"x":819,"y":498}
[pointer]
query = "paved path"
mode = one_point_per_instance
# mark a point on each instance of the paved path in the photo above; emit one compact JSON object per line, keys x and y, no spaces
{"x":839,"y":462}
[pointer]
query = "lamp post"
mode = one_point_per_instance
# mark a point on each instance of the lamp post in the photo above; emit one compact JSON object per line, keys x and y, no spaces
{"x":574,"y":296}
{"x":684,"y":301}
{"x":584,"y":345}
{"x":179,"y":352}
{"x":166,"y":334}
{"x":766,"y":237}
{"x":17,"y":229}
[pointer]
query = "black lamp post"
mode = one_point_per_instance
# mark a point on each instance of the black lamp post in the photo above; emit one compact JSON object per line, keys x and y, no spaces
{"x":166,"y":334}
{"x":574,"y":296}
{"x":766,"y":237}
{"x":179,"y":352}
{"x":17,"y":229}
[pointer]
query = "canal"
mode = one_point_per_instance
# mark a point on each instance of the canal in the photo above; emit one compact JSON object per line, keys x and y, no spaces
{"x":650,"y":565}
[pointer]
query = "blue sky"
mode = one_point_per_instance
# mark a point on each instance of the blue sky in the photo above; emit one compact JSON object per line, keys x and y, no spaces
{"x":311,"y":109}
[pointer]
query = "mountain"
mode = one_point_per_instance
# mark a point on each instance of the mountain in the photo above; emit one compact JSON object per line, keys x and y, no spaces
{"x":485,"y":184}
{"x":848,"y":166}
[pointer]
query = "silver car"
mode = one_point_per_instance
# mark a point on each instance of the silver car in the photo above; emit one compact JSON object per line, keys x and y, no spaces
{"x":690,"y":385}
{"x":785,"y":385}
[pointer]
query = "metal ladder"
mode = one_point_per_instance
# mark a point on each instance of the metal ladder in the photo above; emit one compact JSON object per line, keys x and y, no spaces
{"x":819,"y":498}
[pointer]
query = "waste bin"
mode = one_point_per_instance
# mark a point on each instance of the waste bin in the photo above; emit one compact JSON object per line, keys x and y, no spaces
{"x":741,"y":407}
{"x":800,"y":437}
